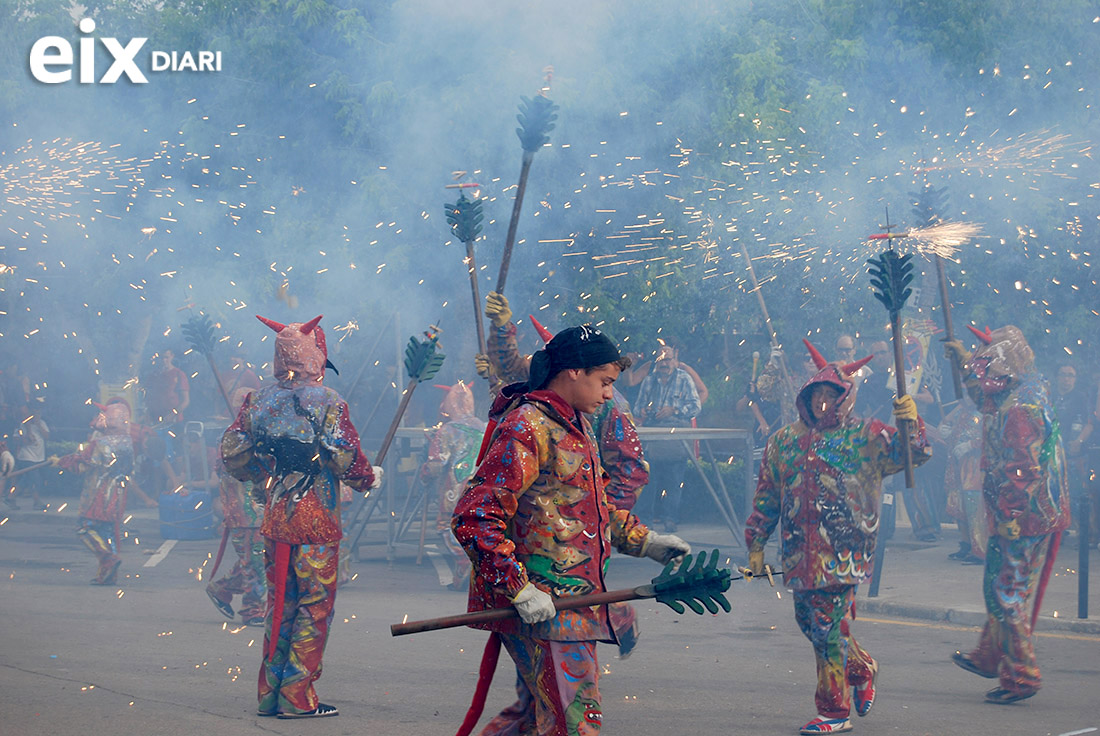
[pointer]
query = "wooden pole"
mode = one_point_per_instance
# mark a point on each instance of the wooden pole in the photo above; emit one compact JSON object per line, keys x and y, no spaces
{"x":513,"y":224}
{"x":948,"y":327}
{"x":899,"y":375}
{"x":472,"y":264}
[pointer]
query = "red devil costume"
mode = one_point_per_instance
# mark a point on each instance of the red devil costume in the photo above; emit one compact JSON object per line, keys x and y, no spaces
{"x":295,"y":442}
{"x":1026,"y":498}
{"x":821,"y":476}
{"x":535,"y":520}
{"x":107,"y":461}
{"x":617,"y":438}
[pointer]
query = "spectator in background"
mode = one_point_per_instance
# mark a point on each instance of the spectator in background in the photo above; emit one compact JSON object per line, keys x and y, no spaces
{"x":667,"y":398}
{"x":30,"y":449}
{"x":1074,"y":409}
{"x":167,"y":391}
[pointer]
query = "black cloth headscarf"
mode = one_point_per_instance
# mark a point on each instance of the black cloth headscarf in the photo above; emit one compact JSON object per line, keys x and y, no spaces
{"x":575,"y":347}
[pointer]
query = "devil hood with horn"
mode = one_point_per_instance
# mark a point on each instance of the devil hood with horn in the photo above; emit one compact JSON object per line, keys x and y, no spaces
{"x":301,"y":354}
{"x":837,"y":375}
{"x":1000,"y":363}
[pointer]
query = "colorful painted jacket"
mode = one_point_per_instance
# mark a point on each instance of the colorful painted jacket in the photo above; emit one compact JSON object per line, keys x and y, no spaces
{"x":614,"y":426}
{"x":107,"y":461}
{"x":296,"y":441}
{"x":823,"y":480}
{"x":1023,"y":462}
{"x":536,"y":510}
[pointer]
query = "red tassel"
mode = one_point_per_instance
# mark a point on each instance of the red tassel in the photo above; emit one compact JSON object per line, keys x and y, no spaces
{"x":282,"y":568}
{"x":484,"y":679}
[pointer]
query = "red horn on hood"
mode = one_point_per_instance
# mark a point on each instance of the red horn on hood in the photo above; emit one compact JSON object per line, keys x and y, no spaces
{"x":308,"y":326}
{"x":849,"y":369}
{"x":986,"y":337}
{"x":544,"y":333}
{"x":276,"y":326}
{"x":99,"y":406}
{"x":819,"y":361}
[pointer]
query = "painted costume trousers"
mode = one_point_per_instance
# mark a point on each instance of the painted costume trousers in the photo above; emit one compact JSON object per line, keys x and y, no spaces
{"x":246,"y":579}
{"x":286,"y":679}
{"x":825,"y":618}
{"x":1012,"y":572}
{"x":99,"y":537}
{"x":558,"y":687}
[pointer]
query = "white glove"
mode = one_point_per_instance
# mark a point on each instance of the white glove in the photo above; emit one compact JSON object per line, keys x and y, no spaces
{"x":775,"y":355}
{"x":664,"y":547}
{"x":534,"y":605}
{"x":377,"y":482}
{"x":961,"y":449}
{"x":7,"y":462}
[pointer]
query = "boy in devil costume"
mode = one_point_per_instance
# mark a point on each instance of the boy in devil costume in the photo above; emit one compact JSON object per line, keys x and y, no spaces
{"x":616,"y":435}
{"x":822,"y":476}
{"x":295,"y":442}
{"x":537,"y":524}
{"x":107,"y":461}
{"x":452,"y":456}
{"x":1026,"y":499}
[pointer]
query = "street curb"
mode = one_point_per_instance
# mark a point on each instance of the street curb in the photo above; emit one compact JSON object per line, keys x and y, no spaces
{"x":964,"y":617}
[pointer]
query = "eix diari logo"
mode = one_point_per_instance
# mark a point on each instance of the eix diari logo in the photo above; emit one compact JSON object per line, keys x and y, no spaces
{"x":51,"y":59}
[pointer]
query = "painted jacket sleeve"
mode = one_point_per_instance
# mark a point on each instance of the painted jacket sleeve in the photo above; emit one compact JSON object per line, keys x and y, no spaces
{"x":504,"y":354}
{"x":1018,"y":477}
{"x":892,"y":457}
{"x":482,"y":516}
{"x":346,"y":458}
{"x":238,"y":448}
{"x":766,"y":503}
{"x":621,"y":455}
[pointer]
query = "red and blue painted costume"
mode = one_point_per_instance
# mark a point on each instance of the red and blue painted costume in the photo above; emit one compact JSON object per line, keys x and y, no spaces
{"x":107,"y":461}
{"x":1024,"y":481}
{"x":822,"y":481}
{"x":243,"y":517}
{"x":296,"y":441}
{"x":536,"y":510}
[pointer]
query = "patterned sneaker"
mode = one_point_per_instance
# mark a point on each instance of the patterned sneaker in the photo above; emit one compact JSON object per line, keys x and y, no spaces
{"x":225,"y":608}
{"x":321,"y":711}
{"x":826,"y":725}
{"x":968,"y":664}
{"x":1000,"y":696}
{"x":863,"y":696}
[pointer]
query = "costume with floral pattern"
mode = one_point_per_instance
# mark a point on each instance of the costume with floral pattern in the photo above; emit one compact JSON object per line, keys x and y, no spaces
{"x":822,"y":478}
{"x":295,"y":442}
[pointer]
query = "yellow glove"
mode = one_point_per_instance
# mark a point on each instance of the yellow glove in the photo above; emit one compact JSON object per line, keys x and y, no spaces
{"x":955,"y":351}
{"x":756,"y":561}
{"x":497,"y":309}
{"x":905,"y":408}
{"x":1009,"y":529}
{"x":53,"y":460}
{"x":482,"y":366}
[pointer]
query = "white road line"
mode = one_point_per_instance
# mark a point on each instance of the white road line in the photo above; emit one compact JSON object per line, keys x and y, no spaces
{"x":161,"y":553}
{"x":1078,"y":733}
{"x":446,"y":577}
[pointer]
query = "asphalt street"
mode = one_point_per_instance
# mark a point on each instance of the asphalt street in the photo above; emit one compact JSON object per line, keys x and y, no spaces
{"x":152,"y":655}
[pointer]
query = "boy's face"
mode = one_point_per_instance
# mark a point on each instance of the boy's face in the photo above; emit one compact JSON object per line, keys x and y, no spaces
{"x":823,"y":398}
{"x":589,"y":390}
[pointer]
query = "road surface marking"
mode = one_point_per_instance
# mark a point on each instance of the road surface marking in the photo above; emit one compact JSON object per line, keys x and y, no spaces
{"x":957,"y":627}
{"x":161,"y":553}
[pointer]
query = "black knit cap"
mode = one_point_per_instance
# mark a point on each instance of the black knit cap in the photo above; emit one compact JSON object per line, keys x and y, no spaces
{"x":575,"y":347}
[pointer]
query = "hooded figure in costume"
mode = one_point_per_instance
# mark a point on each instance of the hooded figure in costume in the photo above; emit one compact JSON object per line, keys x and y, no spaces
{"x":243,"y":515}
{"x":295,"y":442}
{"x":821,"y":478}
{"x":107,"y":461}
{"x":1026,"y":498}
{"x":536,"y":522}
{"x":452,"y":455}
{"x":616,"y":435}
